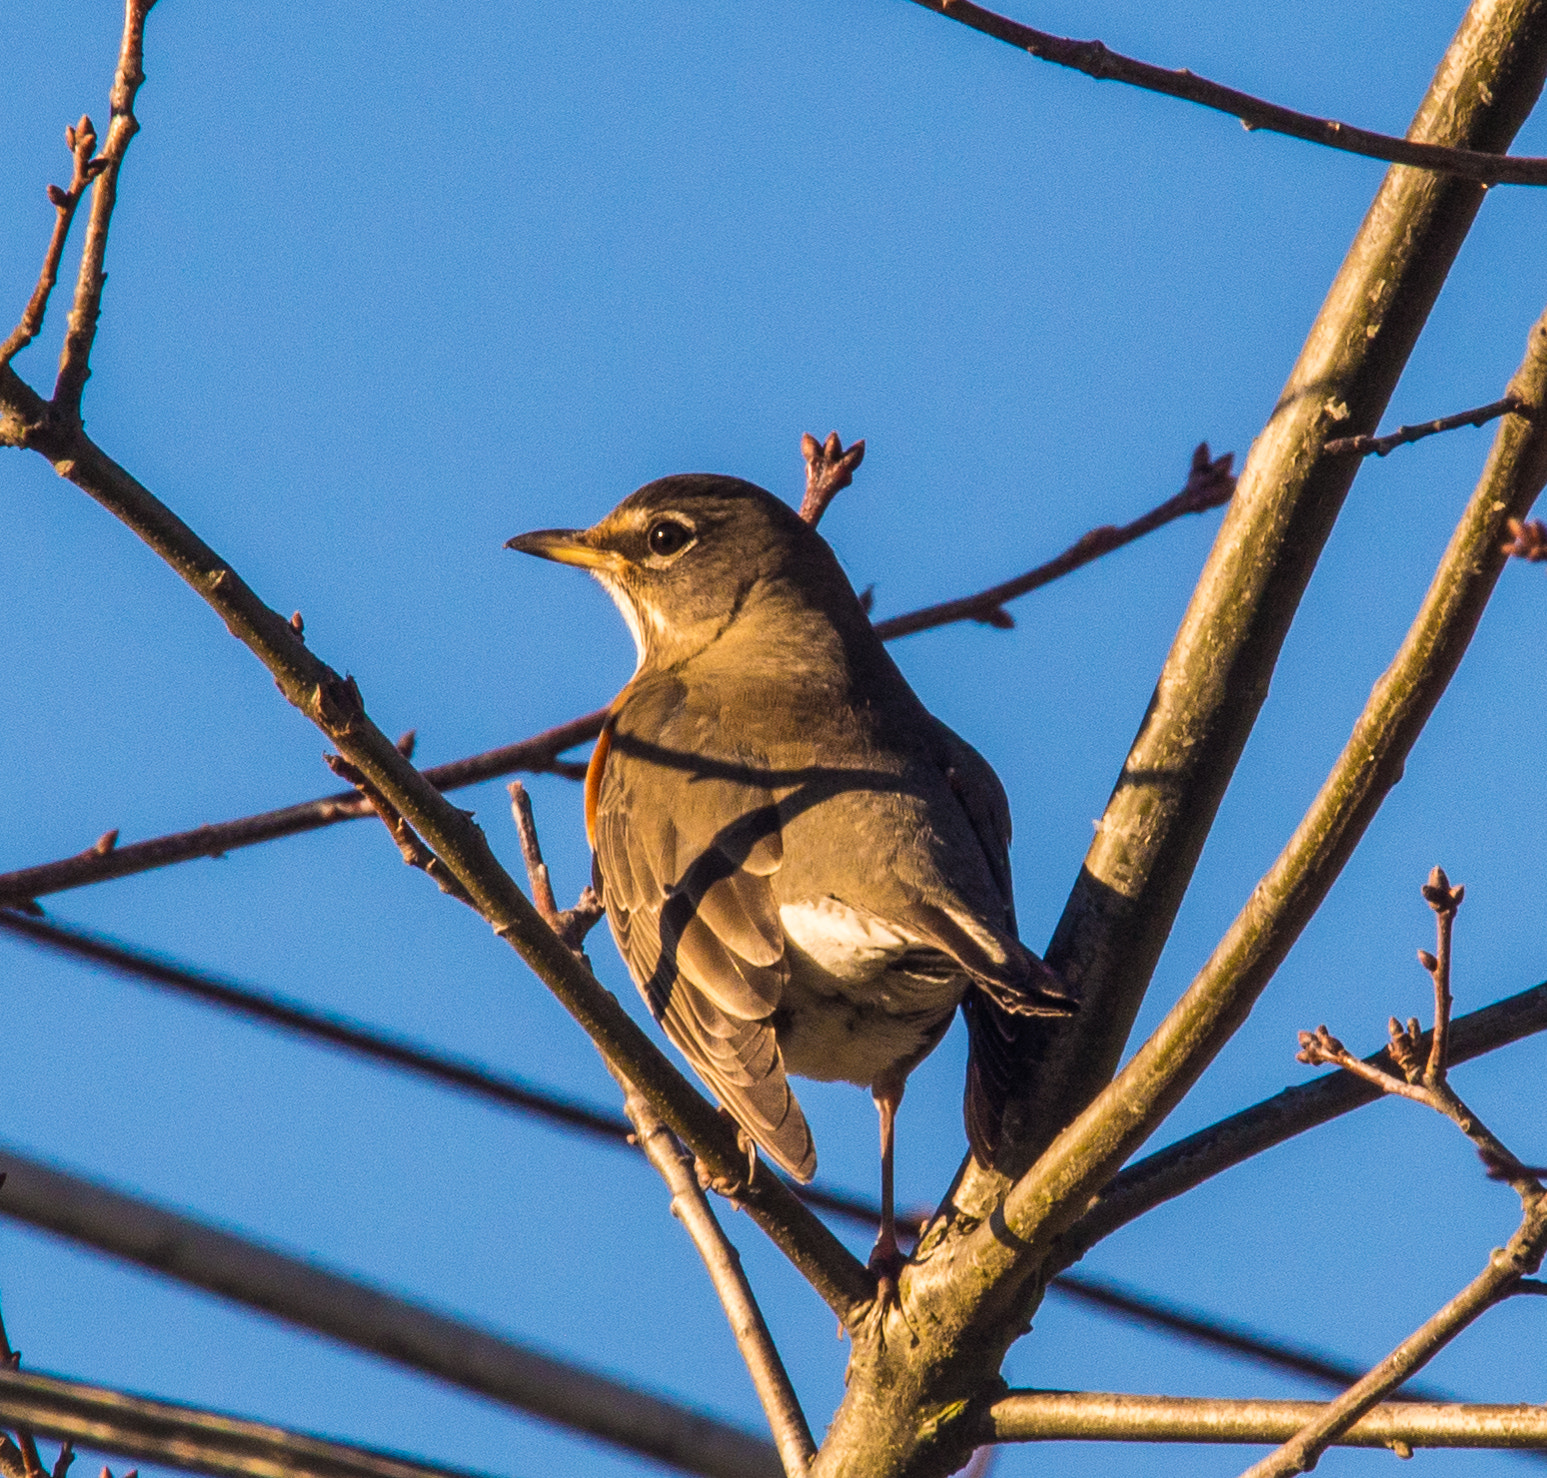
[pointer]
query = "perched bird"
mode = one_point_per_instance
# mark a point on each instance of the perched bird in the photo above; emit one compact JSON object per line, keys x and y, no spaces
{"x":805,"y":871}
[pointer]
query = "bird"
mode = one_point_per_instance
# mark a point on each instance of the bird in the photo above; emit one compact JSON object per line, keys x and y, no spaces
{"x":804,"y":870}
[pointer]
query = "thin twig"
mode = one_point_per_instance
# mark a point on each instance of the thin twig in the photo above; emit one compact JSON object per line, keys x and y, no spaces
{"x":1522,"y":1255}
{"x":191,"y":1439}
{"x":75,"y":361}
{"x":305,"y":1294}
{"x":537,"y":755}
{"x":829,"y":469}
{"x":1093,"y":1416}
{"x":1378,"y":446}
{"x":409,"y":844}
{"x":1424,"y":1076}
{"x":1096,"y":60}
{"x":690,"y":1206}
{"x":1209,"y":485}
{"x":1199,"y":1157}
{"x":570,"y":924}
{"x":27,"y":1447}
{"x":81,"y":138}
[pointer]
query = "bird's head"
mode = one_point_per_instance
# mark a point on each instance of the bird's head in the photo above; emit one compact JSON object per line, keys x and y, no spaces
{"x":686,"y":556}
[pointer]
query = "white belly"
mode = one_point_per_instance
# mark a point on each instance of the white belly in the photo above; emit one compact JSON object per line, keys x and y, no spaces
{"x":846,"y":1014}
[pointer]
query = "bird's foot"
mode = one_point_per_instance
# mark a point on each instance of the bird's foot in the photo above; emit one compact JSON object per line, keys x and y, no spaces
{"x":733,"y":1188}
{"x":887,"y":1263}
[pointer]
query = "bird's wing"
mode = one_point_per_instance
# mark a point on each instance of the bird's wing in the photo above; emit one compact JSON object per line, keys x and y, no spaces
{"x":696,"y":922}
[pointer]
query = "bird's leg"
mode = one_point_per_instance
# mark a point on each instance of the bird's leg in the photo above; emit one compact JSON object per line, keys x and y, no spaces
{"x":885,"y":1258}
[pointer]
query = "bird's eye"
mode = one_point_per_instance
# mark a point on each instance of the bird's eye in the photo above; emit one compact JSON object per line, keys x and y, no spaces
{"x":667,"y":536}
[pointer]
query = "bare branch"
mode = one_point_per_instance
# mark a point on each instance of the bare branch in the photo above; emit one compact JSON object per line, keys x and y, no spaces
{"x":1210,"y":484}
{"x":1371,"y":762}
{"x":189,"y":1438}
{"x":397,"y":1329}
{"x":1061,"y":1416}
{"x":570,"y":924}
{"x":413,"y":850}
{"x":537,"y":755}
{"x":1522,"y":1255}
{"x":688,"y":1204}
{"x":1189,"y":1162}
{"x":27,"y":1447}
{"x":82,"y":141}
{"x":75,"y":361}
{"x":1378,"y":446}
{"x":1096,"y":60}
{"x":829,"y":470}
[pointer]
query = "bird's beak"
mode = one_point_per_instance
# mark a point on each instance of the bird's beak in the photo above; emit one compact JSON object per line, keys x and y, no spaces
{"x":567,"y":546}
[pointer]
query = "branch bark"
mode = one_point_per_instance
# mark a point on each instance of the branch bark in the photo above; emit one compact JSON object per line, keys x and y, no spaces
{"x":1217,"y":673}
{"x":368,"y":1318}
{"x":1061,"y":1416}
{"x":691,"y":1207}
{"x":189,"y":1438}
{"x":1096,"y":60}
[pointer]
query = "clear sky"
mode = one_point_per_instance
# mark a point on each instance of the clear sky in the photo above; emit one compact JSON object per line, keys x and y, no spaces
{"x":391,"y":283}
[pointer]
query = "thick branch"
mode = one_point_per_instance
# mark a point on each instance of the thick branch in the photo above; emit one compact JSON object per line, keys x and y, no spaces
{"x":1216,"y":676}
{"x":1127,"y":1111}
{"x":691,"y":1207}
{"x":369,"y":1319}
{"x":1095,"y":60}
{"x":1093,"y":1416}
{"x":189,"y":1438}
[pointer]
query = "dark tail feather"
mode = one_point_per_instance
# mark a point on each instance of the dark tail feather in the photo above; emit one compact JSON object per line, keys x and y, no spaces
{"x":1004,"y":1048}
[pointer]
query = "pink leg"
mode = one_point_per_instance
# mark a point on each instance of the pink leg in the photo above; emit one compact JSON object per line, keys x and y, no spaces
{"x":885,"y":1259}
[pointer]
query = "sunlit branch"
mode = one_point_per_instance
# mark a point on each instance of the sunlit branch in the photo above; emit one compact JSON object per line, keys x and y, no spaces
{"x":1062,"y":1416}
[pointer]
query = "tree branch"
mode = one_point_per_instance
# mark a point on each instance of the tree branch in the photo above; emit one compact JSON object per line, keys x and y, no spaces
{"x":1209,"y":485}
{"x":1378,"y":446}
{"x":368,"y":1318}
{"x":75,"y":361}
{"x":332,"y":702}
{"x":1138,"y":1189}
{"x":1199,"y":1157}
{"x":1096,"y":60}
{"x":190,"y":1438}
{"x":537,"y":755}
{"x":690,"y":1206}
{"x":1522,"y":1255}
{"x":1061,"y":1416}
{"x":1122,"y":906}
{"x":81,"y":138}
{"x":1218,"y":1000}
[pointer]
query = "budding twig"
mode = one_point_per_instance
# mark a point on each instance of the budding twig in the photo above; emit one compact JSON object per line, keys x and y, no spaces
{"x":570,"y":924}
{"x":1378,"y":446}
{"x":829,"y":470}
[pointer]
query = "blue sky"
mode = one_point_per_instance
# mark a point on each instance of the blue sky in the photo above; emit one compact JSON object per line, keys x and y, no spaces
{"x":391,"y":283}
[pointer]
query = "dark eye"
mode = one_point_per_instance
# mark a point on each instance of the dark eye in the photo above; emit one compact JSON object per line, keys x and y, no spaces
{"x":667,"y":536}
